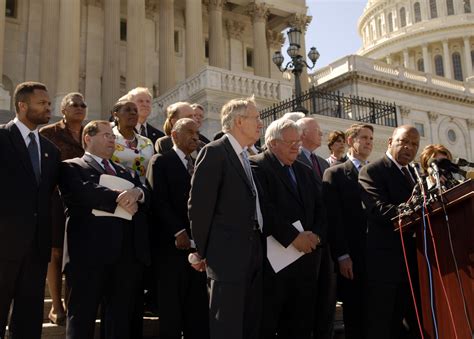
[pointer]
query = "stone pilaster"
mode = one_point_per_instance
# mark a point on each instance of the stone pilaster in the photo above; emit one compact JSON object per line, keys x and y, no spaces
{"x":4,"y":95}
{"x":194,"y":51}
{"x":302,"y":21}
{"x":467,"y":57}
{"x":49,"y":44}
{"x":68,"y":58}
{"x":135,"y":43}
{"x":259,"y":14}
{"x":166,"y":56}
{"x":111,"y":64}
{"x":216,"y":37}
{"x":235,"y":30}
{"x":448,"y":73}
{"x":406,"y":59}
{"x":426,"y":58}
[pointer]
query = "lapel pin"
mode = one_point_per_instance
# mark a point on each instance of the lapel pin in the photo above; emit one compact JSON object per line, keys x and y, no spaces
{"x":46,"y":155}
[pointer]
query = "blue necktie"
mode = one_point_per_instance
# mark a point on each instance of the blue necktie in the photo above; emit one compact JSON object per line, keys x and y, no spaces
{"x":248,"y":169}
{"x":291,"y":175}
{"x":34,"y":157}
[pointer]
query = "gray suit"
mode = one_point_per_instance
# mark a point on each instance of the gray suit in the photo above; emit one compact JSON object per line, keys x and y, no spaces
{"x":222,"y":217}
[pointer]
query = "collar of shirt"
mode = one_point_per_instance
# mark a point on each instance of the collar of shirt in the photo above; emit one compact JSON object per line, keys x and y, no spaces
{"x":254,"y":149}
{"x":181,"y":155}
{"x":395,"y":161}
{"x":357,"y":163}
{"x":238,"y":149}
{"x":306,"y":152}
{"x":138,"y":126}
{"x":98,"y":159}
{"x":25,"y":131}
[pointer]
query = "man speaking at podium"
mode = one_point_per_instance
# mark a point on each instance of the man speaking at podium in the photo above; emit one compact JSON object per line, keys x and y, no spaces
{"x":386,"y":183}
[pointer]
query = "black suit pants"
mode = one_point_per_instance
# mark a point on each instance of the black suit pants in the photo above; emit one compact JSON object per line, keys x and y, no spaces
{"x":23,"y":283}
{"x":182,"y":293}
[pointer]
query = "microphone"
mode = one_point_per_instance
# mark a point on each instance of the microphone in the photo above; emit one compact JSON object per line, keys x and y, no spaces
{"x":433,"y":164}
{"x":447,"y":165}
{"x":463,"y":162}
{"x":416,"y":168}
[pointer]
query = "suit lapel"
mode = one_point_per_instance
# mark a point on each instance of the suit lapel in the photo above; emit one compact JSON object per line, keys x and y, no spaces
{"x":45,"y":160}
{"x":92,"y":163}
{"x":351,"y":171}
{"x":235,"y":161}
{"x":20,"y":146}
{"x":178,"y":163}
{"x":397,"y":173}
{"x":281,"y":172}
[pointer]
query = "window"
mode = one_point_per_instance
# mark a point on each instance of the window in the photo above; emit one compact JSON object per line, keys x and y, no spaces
{"x":206,"y":48}
{"x":11,"y":9}
{"x":472,"y":58}
{"x":420,"y":65}
{"x":249,"y":57}
{"x":421,"y":129}
{"x":452,"y":136}
{"x":403,"y":17}
{"x":379,"y":28}
{"x":457,"y":67}
{"x":439,"y":68}
{"x":417,"y":11}
{"x":123,"y":30}
{"x":433,"y":9}
{"x":450,"y":7}
{"x":177,"y":42}
{"x":390,"y":22}
{"x":467,"y":6}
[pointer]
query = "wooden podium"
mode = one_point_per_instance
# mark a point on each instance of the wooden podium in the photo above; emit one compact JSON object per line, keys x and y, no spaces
{"x":460,"y":209}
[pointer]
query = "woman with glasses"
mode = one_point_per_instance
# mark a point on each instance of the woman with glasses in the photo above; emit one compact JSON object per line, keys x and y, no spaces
{"x":66,"y":135}
{"x":132,"y":150}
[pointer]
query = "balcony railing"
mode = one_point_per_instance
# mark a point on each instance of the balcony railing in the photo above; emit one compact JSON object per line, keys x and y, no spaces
{"x":336,"y":105}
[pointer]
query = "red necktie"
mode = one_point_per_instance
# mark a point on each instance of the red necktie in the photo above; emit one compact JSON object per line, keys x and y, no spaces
{"x":314,"y":161}
{"x":108,"y":169}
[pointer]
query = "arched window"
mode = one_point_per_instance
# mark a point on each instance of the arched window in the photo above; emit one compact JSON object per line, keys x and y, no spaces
{"x":439,"y":68}
{"x":420,"y":65}
{"x":417,"y":10}
{"x":457,"y":67}
{"x":450,"y":7}
{"x":379,"y":28}
{"x":403,"y":17}
{"x":467,"y":6}
{"x":390,"y":22}
{"x":433,"y":9}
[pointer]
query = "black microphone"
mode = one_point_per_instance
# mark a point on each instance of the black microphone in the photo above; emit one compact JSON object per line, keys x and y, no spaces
{"x":463,"y":162}
{"x":433,"y":164}
{"x":446,"y":165}
{"x":416,"y":168}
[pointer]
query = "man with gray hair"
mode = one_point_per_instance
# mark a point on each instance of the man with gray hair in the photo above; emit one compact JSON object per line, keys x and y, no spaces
{"x":292,"y":199}
{"x":226,"y":219}
{"x":294,"y":116}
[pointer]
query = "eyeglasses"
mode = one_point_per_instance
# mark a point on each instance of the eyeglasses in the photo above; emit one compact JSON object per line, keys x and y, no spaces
{"x":109,"y":136}
{"x":256,"y":118}
{"x":75,"y":104}
{"x":292,"y":143}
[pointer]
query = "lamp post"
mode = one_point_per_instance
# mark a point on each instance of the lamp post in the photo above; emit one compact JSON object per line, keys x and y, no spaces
{"x":297,"y":63}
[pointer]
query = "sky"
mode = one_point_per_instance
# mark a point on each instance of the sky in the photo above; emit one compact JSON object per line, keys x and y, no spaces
{"x":333,"y":30}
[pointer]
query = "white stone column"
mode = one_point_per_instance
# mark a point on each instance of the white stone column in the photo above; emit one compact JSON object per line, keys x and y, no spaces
{"x":235,"y":30}
{"x":406,"y":59}
{"x":275,"y":40}
{"x":467,"y":57}
{"x":166,"y":54}
{"x":135,"y":43}
{"x":216,"y":37}
{"x":426,"y":58}
{"x":448,"y":73}
{"x":388,"y":59}
{"x":260,"y":51}
{"x":68,"y":58}
{"x":4,"y":95}
{"x":49,"y":44}
{"x":111,"y":66}
{"x":194,"y":51}
{"x":301,"y":21}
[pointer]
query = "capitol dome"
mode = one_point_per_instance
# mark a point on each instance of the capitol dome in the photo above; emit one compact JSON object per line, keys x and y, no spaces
{"x":433,"y":36}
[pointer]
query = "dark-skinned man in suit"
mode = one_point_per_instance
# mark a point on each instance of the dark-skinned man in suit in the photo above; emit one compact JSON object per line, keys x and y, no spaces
{"x":182,"y":290}
{"x":225,"y":216}
{"x":29,"y":173}
{"x":348,"y":229}
{"x":105,"y":254}
{"x":291,"y":195}
{"x":386,"y":183}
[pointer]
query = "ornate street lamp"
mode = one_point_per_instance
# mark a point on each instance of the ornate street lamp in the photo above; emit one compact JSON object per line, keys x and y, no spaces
{"x":297,"y":63}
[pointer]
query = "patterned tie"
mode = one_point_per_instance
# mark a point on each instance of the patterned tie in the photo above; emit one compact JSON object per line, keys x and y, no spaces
{"x":33,"y":151}
{"x":291,"y":175}
{"x":108,"y":169}
{"x":248,"y":169}
{"x":143,"y":130}
{"x":408,"y":176}
{"x":314,"y":162}
{"x":189,"y":164}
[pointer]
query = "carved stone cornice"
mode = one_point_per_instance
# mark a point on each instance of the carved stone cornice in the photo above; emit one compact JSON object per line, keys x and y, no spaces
{"x":405,"y":111}
{"x":151,"y":9}
{"x":300,"y":21}
{"x":215,"y":5}
{"x":275,"y":39}
{"x":432,"y":116}
{"x":235,"y":28}
{"x":259,"y":12}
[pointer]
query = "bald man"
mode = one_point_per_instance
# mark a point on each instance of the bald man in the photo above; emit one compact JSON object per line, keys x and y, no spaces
{"x":386,"y":183}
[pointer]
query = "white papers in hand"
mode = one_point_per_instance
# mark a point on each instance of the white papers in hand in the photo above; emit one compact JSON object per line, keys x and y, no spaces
{"x":279,"y":256}
{"x":115,"y":183}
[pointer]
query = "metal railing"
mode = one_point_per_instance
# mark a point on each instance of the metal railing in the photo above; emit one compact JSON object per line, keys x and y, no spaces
{"x":336,"y":105}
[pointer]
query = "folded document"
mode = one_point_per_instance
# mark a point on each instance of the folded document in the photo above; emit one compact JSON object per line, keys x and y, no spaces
{"x":114,"y":183}
{"x":280,"y":256}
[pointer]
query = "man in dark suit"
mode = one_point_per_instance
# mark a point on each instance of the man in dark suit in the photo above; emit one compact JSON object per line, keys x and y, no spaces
{"x":348,"y":229}
{"x":386,"y":183}
{"x":105,"y":253}
{"x":142,"y":97}
{"x":325,"y":306}
{"x":29,"y":173}
{"x":182,"y":290}
{"x":225,"y":216}
{"x":291,"y":195}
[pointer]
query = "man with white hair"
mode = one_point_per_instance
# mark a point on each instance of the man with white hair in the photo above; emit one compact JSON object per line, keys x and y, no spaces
{"x":292,"y":197}
{"x":226,"y":219}
{"x":294,"y":116}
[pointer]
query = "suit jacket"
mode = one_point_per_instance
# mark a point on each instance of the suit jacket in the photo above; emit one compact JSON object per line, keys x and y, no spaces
{"x":153,"y":133}
{"x":283,"y":204}
{"x":170,"y":195}
{"x":384,"y":187}
{"x":322,"y":164}
{"x":25,"y":211}
{"x":222,"y":211}
{"x":203,"y":139}
{"x":348,"y":219}
{"x":95,"y":240}
{"x":164,"y":144}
